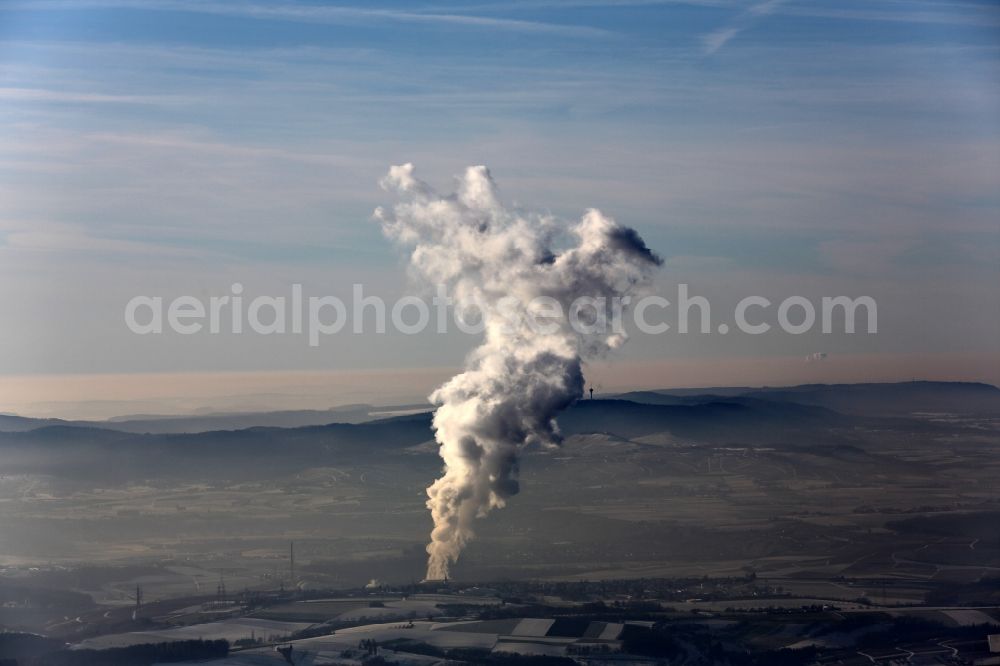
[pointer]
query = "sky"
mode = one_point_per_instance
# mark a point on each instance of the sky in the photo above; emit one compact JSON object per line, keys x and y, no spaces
{"x":174,"y":147}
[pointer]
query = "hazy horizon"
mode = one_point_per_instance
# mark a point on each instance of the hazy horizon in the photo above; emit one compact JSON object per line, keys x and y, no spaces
{"x":99,"y":397}
{"x":775,"y":149}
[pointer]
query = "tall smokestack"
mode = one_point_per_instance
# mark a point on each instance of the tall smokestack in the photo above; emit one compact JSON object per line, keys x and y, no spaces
{"x":505,"y":266}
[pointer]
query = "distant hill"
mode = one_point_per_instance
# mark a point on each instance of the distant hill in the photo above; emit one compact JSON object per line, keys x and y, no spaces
{"x":743,"y":418}
{"x":891,"y":399}
{"x":14,"y":423}
{"x":171,"y":424}
{"x":902,"y":398}
{"x":816,"y":416}
{"x":87,"y":452}
{"x":239,"y":420}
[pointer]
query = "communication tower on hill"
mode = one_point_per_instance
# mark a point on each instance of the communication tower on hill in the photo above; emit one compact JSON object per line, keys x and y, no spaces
{"x":138,"y":602}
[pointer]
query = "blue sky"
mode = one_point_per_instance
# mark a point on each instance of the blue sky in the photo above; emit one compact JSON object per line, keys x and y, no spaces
{"x":175,"y":146}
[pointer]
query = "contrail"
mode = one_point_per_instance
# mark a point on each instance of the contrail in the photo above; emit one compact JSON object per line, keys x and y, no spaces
{"x":511,"y":268}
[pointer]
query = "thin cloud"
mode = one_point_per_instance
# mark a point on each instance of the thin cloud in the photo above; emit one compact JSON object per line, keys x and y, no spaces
{"x":521,"y":5}
{"x":59,"y":96}
{"x":716,"y":39}
{"x":907,"y":12}
{"x":337,"y":14}
{"x":895,"y":11}
{"x":971,"y":15}
{"x":43,"y":236}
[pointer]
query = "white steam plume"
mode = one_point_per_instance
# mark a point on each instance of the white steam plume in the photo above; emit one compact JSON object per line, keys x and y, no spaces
{"x":507,"y":267}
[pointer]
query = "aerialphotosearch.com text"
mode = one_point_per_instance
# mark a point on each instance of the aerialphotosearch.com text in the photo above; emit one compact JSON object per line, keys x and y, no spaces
{"x":316,"y":317}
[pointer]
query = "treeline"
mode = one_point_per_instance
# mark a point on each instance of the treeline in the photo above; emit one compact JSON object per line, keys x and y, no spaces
{"x":479,"y":657}
{"x":488,"y":658}
{"x":662,"y":642}
{"x":594,"y":611}
{"x":901,"y":630}
{"x":133,"y":655}
{"x":985,"y":592}
{"x":982,"y":524}
{"x":636,"y":588}
{"x":14,"y":646}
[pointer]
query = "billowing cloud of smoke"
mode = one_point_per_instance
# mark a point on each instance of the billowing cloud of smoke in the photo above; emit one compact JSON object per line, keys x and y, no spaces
{"x":510,"y":268}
